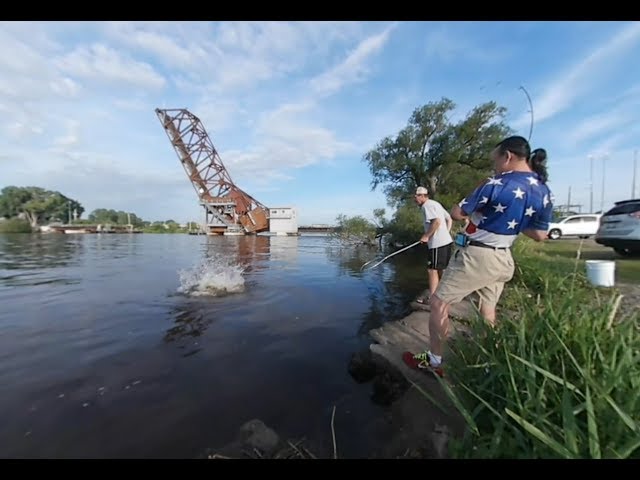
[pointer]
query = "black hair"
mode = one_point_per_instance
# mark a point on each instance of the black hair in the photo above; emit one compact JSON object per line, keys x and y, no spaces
{"x":520,"y":147}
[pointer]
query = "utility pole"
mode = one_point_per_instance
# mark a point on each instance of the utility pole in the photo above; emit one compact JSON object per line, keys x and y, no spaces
{"x":569,"y":201}
{"x":591,"y":185}
{"x":635,"y":165}
{"x":603,"y":176}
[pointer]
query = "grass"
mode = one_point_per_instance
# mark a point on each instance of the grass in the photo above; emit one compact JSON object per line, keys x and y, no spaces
{"x":559,"y":379}
{"x":564,"y":251}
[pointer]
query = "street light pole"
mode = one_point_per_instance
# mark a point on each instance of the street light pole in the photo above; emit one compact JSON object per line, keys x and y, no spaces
{"x":635,"y":165}
{"x":591,"y":185}
{"x":603,"y":176}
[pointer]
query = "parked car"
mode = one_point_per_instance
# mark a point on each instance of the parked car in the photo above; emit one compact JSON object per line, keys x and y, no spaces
{"x":583,"y":226}
{"x":620,"y":228}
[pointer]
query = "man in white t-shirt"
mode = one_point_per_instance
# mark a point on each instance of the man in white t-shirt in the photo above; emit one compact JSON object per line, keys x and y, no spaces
{"x":437,"y":225}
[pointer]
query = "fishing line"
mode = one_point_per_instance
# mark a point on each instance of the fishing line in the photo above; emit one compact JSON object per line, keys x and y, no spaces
{"x":483,"y":88}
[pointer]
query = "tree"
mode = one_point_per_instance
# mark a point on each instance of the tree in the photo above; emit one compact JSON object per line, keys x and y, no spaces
{"x":431,"y":151}
{"x":38,"y":205}
{"x":112,"y":217}
{"x":356,"y":230}
{"x":407,"y":225}
{"x":450,"y":159}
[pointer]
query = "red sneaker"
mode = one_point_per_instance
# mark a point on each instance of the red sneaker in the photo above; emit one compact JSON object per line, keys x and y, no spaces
{"x":420,"y":361}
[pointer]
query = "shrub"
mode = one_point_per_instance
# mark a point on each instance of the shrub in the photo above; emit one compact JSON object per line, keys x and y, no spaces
{"x":15,"y":225}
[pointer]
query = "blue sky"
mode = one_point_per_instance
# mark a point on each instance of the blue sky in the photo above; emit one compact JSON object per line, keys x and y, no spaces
{"x":293,"y":107}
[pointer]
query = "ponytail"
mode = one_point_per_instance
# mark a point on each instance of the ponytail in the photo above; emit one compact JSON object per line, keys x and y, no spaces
{"x":538,"y":163}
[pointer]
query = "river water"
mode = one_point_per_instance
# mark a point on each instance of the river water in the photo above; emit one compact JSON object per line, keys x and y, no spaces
{"x":164,"y":345}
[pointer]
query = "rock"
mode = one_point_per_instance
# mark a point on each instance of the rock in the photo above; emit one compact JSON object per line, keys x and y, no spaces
{"x":255,"y":434}
{"x":388,"y":387}
{"x":362,"y":367}
{"x":440,"y":440}
{"x":255,"y":440}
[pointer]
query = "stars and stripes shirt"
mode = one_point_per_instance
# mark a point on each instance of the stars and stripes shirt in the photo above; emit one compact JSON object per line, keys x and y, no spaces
{"x":505,"y":205}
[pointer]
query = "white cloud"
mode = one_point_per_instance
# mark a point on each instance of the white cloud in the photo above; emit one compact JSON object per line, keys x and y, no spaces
{"x":101,"y":63}
{"x":232,"y":56}
{"x":65,"y":87}
{"x":353,"y":68}
{"x":130,"y":104}
{"x":27,"y":73}
{"x":598,"y":126}
{"x":71,"y":138}
{"x":161,"y":45}
{"x":25,"y":123}
{"x":282,"y":147}
{"x":612,"y":143}
{"x":23,"y":130}
{"x":289,"y":136}
{"x":582,"y":76}
{"x":449,"y":46}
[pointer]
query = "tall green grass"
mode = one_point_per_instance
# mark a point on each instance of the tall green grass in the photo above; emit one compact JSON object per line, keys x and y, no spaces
{"x":560,"y":378}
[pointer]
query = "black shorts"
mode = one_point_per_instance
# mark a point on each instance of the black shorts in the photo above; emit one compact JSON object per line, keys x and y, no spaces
{"x":439,"y":257}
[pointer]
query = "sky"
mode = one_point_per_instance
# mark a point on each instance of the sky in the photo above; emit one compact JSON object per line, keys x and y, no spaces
{"x":292,"y":108}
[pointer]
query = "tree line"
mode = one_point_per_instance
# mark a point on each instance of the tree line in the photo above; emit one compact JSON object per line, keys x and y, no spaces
{"x":26,"y":208}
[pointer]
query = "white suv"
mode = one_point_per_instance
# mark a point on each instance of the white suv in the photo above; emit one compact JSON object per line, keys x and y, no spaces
{"x":582,"y":226}
{"x":620,"y":228}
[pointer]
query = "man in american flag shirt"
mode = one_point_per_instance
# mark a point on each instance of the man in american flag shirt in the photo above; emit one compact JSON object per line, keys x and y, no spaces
{"x":514,"y":200}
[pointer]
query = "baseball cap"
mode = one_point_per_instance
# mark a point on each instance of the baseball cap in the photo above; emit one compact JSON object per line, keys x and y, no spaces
{"x":422,"y":191}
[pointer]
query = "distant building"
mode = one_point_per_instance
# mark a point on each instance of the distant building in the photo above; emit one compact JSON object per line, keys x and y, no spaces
{"x":283,"y":221}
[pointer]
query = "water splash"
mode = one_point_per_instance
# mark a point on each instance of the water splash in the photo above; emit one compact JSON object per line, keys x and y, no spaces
{"x":215,"y":276}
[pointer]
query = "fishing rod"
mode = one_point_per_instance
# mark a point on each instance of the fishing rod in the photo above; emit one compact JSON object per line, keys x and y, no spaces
{"x":389,"y":256}
{"x":530,"y":110}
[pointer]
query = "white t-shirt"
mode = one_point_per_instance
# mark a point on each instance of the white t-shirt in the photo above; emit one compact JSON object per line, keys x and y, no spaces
{"x":430,"y":211}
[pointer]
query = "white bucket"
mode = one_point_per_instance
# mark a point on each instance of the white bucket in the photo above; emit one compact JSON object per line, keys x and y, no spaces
{"x":601,"y":273}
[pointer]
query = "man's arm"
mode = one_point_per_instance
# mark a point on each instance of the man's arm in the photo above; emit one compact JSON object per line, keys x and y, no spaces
{"x":448,"y":219}
{"x":433,"y":226}
{"x":537,"y":235}
{"x":458,"y":214}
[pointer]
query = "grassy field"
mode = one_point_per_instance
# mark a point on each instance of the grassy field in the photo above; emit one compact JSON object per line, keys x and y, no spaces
{"x":564,"y":251}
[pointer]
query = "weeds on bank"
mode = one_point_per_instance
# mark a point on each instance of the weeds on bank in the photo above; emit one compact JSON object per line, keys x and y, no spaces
{"x":557,"y":379}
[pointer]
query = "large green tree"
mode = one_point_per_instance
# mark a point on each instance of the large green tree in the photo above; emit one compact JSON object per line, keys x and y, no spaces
{"x":38,"y":205}
{"x":356,"y":230}
{"x":448,"y":158}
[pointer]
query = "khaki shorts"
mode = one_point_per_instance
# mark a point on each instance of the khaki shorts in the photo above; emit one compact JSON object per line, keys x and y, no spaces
{"x":476,"y":269}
